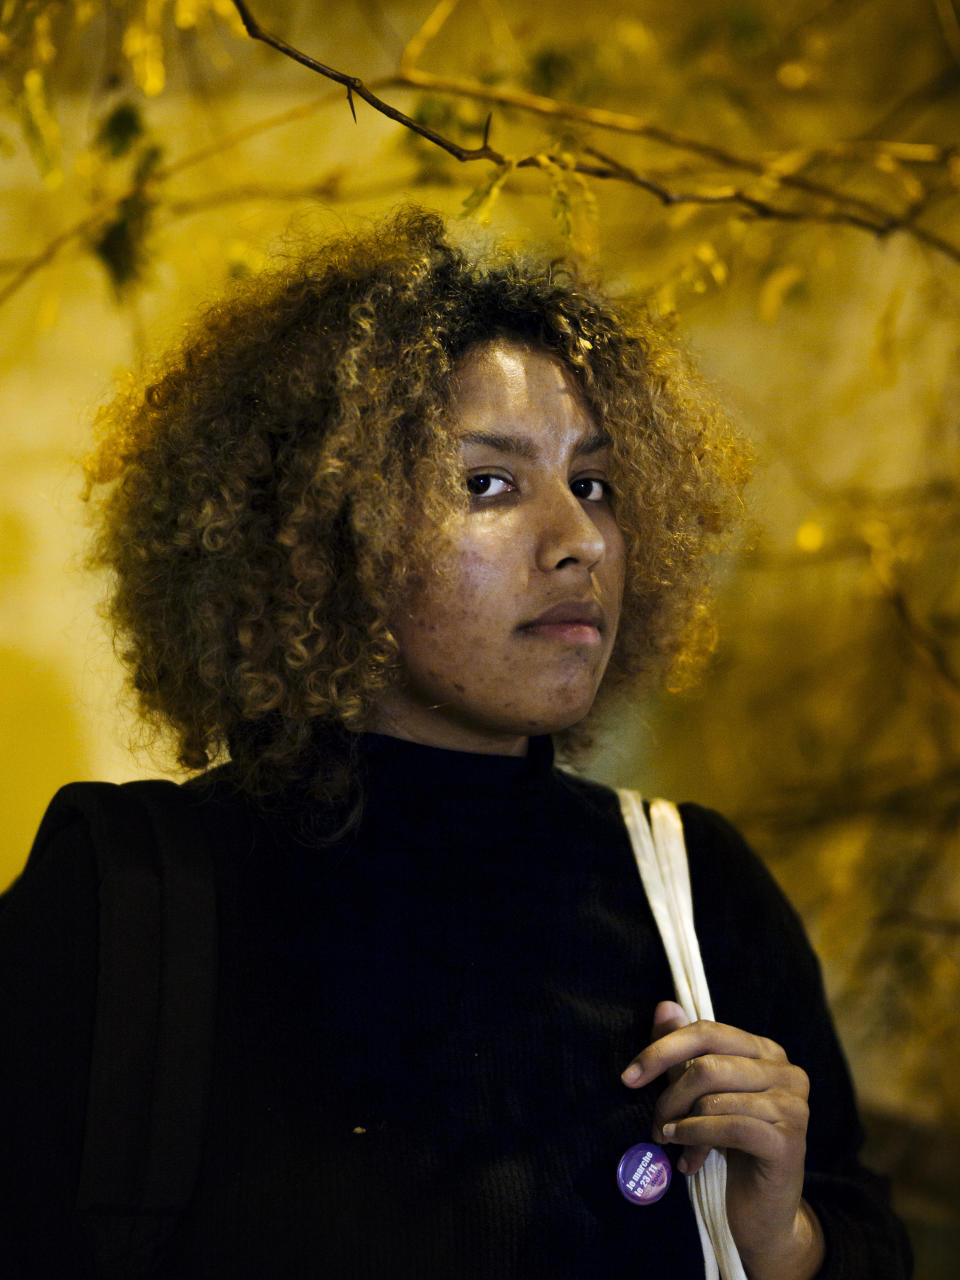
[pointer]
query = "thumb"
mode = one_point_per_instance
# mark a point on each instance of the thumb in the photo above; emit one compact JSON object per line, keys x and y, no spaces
{"x":667,"y":1016}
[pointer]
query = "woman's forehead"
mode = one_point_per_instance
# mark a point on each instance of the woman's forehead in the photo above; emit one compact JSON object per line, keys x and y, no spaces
{"x":506,"y":381}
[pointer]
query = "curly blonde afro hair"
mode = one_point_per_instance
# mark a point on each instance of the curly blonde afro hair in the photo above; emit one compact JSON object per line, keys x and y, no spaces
{"x":255,"y":500}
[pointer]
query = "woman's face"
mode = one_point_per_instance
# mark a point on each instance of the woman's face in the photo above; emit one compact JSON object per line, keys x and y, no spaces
{"x":514,"y":636}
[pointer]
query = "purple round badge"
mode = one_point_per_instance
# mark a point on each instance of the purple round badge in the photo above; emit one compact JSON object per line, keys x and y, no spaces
{"x":644,"y":1174}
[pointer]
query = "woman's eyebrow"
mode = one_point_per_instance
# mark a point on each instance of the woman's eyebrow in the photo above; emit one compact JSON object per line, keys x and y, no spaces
{"x":522,"y":447}
{"x":593,"y":443}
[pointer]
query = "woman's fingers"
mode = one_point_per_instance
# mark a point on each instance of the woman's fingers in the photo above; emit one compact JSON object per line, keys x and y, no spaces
{"x":773,"y":1107}
{"x":728,"y":1089}
{"x":771,"y":1143}
{"x":694,"y":1041}
{"x":698,"y":1088}
{"x":768,"y":1126}
{"x":731,"y":1090}
{"x":692,"y":1159}
{"x":668,"y":1016}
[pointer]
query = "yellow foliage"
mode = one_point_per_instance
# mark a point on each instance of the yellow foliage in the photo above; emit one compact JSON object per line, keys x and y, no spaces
{"x":810,"y":536}
{"x":143,"y":46}
{"x":775,"y":288}
{"x":877,"y":535}
{"x":665,"y":299}
{"x":634,"y":35}
{"x":87,"y":164}
{"x":574,"y":205}
{"x":788,"y":162}
{"x":49,"y":311}
{"x":681,"y":214}
{"x":44,"y":49}
{"x":185,"y":13}
{"x":481,"y":201}
{"x":44,"y":130}
{"x":840,"y":857}
{"x":244,"y":258}
{"x":706,"y":253}
{"x":885,"y":355}
{"x":794,"y":75}
{"x":909,"y":183}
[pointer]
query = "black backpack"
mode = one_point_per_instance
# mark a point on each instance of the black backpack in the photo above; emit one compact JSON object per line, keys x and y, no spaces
{"x":153,"y":1035}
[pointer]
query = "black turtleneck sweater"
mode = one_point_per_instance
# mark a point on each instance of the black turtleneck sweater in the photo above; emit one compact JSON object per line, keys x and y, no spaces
{"x":420,"y":1036}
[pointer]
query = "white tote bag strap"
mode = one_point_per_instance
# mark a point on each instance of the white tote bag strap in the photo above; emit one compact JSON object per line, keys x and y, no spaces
{"x":661,"y":855}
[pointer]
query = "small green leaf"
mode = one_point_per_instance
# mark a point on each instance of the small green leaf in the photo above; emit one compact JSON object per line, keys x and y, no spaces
{"x":573,"y":204}
{"x":479,"y":203}
{"x":551,"y":71}
{"x":121,"y":245}
{"x":120,"y":130}
{"x":147,"y":163}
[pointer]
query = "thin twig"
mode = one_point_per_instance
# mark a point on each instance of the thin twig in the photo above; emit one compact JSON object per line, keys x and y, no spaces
{"x":50,"y":250}
{"x":25,"y":268}
{"x":852,"y":210}
{"x":730,"y":195}
{"x":250,"y":192}
{"x":877,"y":219}
{"x":428,"y":30}
{"x":353,"y":84}
{"x":878,"y":791}
{"x":925,"y":642}
{"x":872,"y":217}
{"x":929,"y":924}
{"x":947,"y":17}
{"x":249,"y":131}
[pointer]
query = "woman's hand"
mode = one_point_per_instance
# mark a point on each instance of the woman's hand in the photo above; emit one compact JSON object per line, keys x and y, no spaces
{"x":736,"y":1091}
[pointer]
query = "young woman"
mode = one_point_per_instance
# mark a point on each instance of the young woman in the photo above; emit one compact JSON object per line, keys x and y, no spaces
{"x":389,"y":526}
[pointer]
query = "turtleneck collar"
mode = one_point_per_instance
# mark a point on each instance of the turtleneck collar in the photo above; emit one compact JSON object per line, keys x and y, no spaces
{"x":418,"y":768}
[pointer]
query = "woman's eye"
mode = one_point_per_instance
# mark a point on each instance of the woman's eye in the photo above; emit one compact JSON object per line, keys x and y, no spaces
{"x":487,"y":486}
{"x":590,"y":489}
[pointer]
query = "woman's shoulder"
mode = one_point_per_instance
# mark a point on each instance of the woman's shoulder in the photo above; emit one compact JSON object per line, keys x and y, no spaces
{"x":89,"y":828}
{"x":734,"y":891}
{"x":714,"y":844}
{"x":727,"y":872}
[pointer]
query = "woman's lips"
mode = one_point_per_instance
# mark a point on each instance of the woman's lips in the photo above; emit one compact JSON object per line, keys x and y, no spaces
{"x":565,"y":632}
{"x":570,"y":622}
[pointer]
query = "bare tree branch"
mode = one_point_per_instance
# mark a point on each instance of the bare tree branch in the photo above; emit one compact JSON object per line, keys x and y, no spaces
{"x":928,"y":924}
{"x":621,"y":122}
{"x":25,"y":268}
{"x":947,"y":17}
{"x":894,"y":791}
{"x":842,"y":207}
{"x":354,"y":85}
{"x":728,"y":195}
{"x":925,"y":642}
{"x":428,"y":30}
{"x":31,"y":266}
{"x":268,"y":123}
{"x":326,"y":189}
{"x":852,"y":210}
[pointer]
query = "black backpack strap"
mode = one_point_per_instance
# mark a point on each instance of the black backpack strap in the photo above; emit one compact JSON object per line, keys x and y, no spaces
{"x":154,"y":1025}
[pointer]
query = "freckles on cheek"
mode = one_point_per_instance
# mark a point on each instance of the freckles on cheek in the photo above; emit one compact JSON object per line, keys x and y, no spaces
{"x":478,"y":569}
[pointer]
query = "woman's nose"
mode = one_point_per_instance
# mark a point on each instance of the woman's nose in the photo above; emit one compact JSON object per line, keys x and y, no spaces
{"x":566,"y":533}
